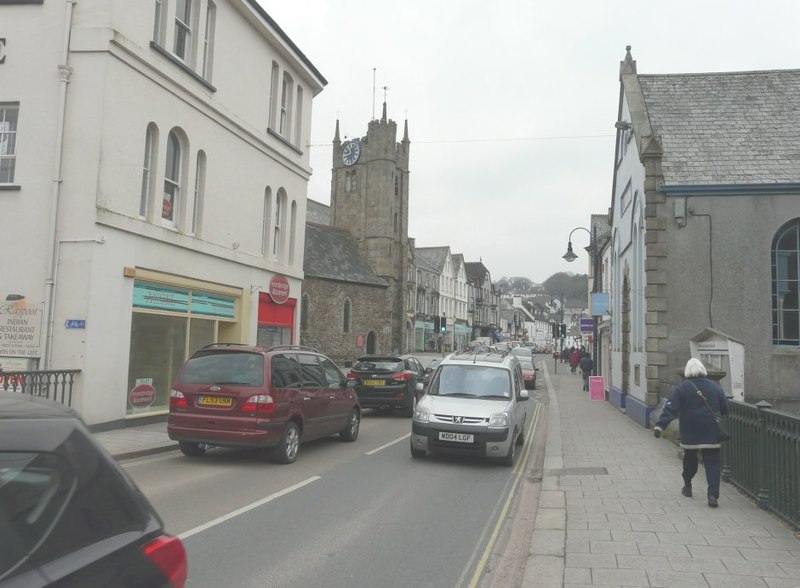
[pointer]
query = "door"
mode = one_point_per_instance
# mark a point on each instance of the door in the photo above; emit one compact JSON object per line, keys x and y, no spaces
{"x":286,"y":386}
{"x":318,"y":402}
{"x":343,"y":397}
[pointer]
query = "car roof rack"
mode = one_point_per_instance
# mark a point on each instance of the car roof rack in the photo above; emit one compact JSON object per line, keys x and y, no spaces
{"x":291,"y":348}
{"x":216,"y":345}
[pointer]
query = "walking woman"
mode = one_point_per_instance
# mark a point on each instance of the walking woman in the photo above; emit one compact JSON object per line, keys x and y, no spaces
{"x":692,"y":402}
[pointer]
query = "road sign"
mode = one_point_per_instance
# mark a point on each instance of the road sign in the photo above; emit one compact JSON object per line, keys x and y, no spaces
{"x":75,"y":323}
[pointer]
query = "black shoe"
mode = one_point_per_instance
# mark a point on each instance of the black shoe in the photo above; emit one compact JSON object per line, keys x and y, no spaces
{"x":687,"y":491}
{"x":712,"y":501}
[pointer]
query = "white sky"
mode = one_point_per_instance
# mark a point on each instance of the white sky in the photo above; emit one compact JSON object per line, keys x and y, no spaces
{"x":511,"y":104}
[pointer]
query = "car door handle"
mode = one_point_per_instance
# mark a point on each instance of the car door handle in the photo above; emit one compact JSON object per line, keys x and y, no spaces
{"x":306,"y":397}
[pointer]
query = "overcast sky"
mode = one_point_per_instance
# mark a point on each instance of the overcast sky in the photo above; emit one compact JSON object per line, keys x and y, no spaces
{"x":511,"y":104}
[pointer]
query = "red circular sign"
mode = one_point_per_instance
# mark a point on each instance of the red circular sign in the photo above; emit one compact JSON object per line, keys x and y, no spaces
{"x":279,"y":289}
{"x":142,"y":396}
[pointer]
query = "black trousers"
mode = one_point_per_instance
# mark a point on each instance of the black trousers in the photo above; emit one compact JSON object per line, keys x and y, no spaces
{"x":711,"y":461}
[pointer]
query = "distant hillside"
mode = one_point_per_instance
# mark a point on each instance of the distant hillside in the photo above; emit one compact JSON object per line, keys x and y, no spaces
{"x":573,"y":287}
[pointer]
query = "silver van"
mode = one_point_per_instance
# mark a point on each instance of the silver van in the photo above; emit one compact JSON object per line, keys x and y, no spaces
{"x":475,"y":404}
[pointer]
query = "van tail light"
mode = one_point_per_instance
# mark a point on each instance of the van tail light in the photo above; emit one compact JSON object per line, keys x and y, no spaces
{"x":402,"y":377}
{"x":260,"y":404}
{"x":177,"y":400}
{"x":169,"y":556}
{"x":351,"y":375}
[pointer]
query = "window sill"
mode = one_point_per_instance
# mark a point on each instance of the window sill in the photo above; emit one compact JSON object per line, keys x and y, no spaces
{"x":283,"y":140}
{"x":159,"y":49}
{"x":10,"y":187}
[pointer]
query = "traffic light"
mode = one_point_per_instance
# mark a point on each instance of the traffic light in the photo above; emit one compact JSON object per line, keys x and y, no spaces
{"x":563,"y":330}
{"x":436,"y":323}
{"x":443,"y":324}
{"x":555,"y":330}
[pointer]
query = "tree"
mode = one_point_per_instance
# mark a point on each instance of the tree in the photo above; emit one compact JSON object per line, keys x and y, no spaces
{"x":575,"y":288}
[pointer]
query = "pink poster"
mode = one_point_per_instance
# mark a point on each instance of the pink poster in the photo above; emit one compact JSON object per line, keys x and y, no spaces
{"x":597,"y":388}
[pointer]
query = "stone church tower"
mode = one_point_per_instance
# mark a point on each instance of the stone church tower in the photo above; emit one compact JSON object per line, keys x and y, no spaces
{"x":369,"y":197}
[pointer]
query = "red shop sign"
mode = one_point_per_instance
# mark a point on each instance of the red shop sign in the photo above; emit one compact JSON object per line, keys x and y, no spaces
{"x":142,"y":396}
{"x":279,"y":289}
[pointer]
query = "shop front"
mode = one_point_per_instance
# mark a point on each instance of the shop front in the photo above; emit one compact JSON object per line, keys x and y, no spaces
{"x":170,"y":322}
{"x":276,"y":314}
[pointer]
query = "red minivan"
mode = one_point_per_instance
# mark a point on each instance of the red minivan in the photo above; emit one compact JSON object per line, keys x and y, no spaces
{"x":234,"y":395}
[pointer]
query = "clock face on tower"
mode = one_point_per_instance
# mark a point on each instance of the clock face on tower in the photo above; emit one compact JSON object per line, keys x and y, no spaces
{"x":350,"y":152}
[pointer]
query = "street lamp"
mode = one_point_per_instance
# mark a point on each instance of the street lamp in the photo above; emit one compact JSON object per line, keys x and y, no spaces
{"x":570,"y":254}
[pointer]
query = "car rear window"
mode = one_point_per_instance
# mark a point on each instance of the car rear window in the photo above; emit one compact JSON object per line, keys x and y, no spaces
{"x":471,"y":380}
{"x":379,"y":365}
{"x":33,"y":490}
{"x":233,"y":368}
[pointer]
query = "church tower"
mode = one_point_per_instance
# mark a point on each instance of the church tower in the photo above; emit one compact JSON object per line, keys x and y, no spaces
{"x":369,"y":197}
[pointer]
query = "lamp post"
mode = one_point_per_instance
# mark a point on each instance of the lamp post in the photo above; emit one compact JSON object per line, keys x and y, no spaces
{"x":570,"y":256}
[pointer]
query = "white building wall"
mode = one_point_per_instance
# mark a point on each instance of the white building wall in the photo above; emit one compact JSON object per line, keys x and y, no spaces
{"x":119,"y":84}
{"x":627,"y":253}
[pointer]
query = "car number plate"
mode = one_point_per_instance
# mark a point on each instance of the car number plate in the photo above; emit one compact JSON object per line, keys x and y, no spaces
{"x":215,"y":401}
{"x":459,"y":437}
{"x":373,"y":382}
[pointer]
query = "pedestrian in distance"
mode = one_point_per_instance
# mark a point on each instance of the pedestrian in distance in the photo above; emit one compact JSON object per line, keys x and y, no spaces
{"x":586,"y":364}
{"x":692,"y":402}
{"x":574,"y":360}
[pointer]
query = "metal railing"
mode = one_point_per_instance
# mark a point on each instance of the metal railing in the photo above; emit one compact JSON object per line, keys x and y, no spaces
{"x":52,"y":384}
{"x":762,"y":458}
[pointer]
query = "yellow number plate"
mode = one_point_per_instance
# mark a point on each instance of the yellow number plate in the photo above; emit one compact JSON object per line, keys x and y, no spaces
{"x":216,"y":401}
{"x":373,"y":382}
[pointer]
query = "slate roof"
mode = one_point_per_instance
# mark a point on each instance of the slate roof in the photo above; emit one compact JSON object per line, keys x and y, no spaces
{"x":317,"y":212}
{"x":435,"y":256}
{"x":726,"y":128}
{"x":333,"y":254}
{"x":476,"y":271}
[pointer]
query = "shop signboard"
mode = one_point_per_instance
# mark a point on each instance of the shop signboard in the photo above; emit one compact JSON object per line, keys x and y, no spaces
{"x":597,"y":388}
{"x":279,"y":289}
{"x":143,"y":394}
{"x":20,"y":327}
{"x":211,"y":305}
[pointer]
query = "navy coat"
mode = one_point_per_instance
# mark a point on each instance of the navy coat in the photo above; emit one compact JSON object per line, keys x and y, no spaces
{"x":697,"y":427}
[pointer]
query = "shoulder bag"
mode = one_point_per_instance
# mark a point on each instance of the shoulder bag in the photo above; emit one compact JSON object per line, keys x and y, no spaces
{"x":722,"y":431}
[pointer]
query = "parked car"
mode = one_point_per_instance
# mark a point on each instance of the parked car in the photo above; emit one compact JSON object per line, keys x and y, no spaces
{"x":474,"y":405}
{"x":388,"y":381}
{"x":523,"y":353}
{"x":69,"y":515}
{"x":232,"y":395}
{"x":528,"y":373}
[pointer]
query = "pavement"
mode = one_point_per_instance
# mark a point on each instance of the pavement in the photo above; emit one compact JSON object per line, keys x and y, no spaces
{"x":610,"y":511}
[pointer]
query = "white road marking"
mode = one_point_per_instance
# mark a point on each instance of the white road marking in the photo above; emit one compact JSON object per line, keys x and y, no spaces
{"x":389,"y":444}
{"x":247,"y":508}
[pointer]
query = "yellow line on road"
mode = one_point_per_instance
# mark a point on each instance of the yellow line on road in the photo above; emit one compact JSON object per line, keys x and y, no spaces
{"x":517,"y":473}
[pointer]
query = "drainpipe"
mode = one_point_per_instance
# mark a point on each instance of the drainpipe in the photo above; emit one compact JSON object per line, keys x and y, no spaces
{"x":64,"y":71}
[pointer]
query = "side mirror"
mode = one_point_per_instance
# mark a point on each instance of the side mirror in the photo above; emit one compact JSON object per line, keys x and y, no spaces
{"x":523,"y":395}
{"x":420,"y":386}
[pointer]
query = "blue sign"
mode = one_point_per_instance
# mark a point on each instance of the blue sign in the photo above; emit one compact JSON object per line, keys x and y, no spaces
{"x":75,"y":323}
{"x":587,"y":325}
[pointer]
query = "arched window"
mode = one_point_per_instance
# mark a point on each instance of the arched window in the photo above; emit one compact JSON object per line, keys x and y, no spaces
{"x":199,"y":191}
{"x":292,"y":231}
{"x":266,"y":219}
{"x":171,"y":202}
{"x":785,"y":283}
{"x":304,"y":312}
{"x":150,"y":141}
{"x":278,"y":227}
{"x":346,"y":311}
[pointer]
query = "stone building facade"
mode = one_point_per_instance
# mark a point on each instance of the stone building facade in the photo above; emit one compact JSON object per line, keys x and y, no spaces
{"x":369,"y":198}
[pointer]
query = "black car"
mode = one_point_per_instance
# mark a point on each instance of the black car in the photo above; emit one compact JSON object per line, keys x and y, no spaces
{"x":388,"y":381}
{"x":69,"y":516}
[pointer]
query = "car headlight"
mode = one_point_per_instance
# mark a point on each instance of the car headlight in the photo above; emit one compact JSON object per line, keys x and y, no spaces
{"x":422,"y":414}
{"x":499,"y":419}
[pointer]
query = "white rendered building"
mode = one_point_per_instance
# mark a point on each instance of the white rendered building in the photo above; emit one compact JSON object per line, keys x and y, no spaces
{"x":153,"y":173}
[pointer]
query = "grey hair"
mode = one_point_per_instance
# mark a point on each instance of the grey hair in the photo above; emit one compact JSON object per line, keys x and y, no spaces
{"x":695,"y":369}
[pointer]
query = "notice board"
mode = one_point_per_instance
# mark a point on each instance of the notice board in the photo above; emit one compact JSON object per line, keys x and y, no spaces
{"x":597,"y":388}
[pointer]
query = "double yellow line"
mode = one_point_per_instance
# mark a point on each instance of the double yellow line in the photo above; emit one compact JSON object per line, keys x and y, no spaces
{"x":516,"y":474}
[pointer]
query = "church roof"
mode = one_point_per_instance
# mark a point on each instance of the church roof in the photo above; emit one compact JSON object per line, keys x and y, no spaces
{"x":317,"y":212}
{"x":726,"y":128}
{"x":333,"y":254}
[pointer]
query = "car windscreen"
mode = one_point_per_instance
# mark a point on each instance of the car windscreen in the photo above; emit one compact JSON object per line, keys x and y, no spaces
{"x":379,"y":365}
{"x":231,"y":368}
{"x":526,"y":364}
{"x":472,"y":381}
